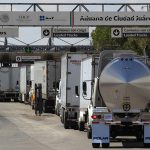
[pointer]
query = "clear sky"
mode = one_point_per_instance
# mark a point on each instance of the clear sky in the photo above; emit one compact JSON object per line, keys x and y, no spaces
{"x":30,"y":34}
{"x":69,"y":1}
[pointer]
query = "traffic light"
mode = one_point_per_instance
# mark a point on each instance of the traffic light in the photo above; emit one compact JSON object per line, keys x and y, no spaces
{"x":28,"y":49}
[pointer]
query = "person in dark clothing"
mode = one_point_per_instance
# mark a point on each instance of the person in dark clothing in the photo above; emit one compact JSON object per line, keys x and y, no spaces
{"x":38,"y":100}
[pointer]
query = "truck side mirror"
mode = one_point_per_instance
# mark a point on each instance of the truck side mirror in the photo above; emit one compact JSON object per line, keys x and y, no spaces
{"x":54,"y":85}
{"x":57,"y":85}
{"x":84,"y":88}
{"x":30,"y":82}
{"x":17,"y":83}
{"x":147,"y":50}
{"x":77,"y":91}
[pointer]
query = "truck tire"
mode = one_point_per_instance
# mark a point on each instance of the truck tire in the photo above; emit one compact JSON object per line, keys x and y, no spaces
{"x":16,"y":100}
{"x":61,"y":119}
{"x":66,"y":126}
{"x":147,"y":145}
{"x":95,"y":145}
{"x":75,"y":126}
{"x":81,"y":126}
{"x":62,"y":116}
{"x":57,"y":112}
{"x":89,"y":133}
{"x":139,"y":138}
{"x":44,"y":109}
{"x":33,"y":107}
{"x":105,"y":145}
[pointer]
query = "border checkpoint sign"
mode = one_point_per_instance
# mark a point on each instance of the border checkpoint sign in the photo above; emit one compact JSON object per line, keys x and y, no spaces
{"x":67,"y":18}
{"x":116,"y":32}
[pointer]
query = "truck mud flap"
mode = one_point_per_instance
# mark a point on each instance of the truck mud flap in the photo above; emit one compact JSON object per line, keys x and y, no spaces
{"x":146,"y":135}
{"x":100,"y":134}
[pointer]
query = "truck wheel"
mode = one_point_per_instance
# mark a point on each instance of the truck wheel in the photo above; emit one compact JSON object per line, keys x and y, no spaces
{"x":44,"y":107}
{"x":33,"y":107}
{"x":44,"y":110}
{"x":62,"y":116}
{"x":61,"y":119}
{"x":95,"y":145}
{"x":147,"y":145}
{"x":105,"y":145}
{"x":139,"y":139}
{"x":52,"y":111}
{"x":66,"y":126}
{"x":81,"y":126}
{"x":15,"y":100}
{"x":75,"y":126}
{"x":89,"y":134}
{"x":56,"y":112}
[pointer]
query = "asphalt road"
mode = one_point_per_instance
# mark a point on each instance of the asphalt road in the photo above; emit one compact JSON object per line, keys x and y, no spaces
{"x":20,"y":129}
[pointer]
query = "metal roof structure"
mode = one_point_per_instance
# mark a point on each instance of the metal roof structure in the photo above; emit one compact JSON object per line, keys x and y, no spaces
{"x":81,"y":6}
{"x":35,"y":7}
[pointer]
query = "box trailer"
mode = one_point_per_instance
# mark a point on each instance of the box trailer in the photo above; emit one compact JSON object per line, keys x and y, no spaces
{"x":120,"y":99}
{"x":89,"y":70}
{"x":48,"y":74}
{"x":70,"y":88}
{"x":32,"y":87}
{"x":25,"y":83}
{"x":9,"y":83}
{"x":58,"y":99}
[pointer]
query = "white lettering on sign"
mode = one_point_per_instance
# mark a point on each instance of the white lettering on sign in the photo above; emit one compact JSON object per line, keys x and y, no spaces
{"x":27,"y":58}
{"x":17,"y":18}
{"x":9,"y":32}
{"x":111,"y":18}
{"x":135,"y":30}
{"x":30,"y":57}
{"x":101,"y":138}
{"x":34,"y":18}
{"x":70,"y":30}
{"x":130,"y":32}
{"x":65,"y":32}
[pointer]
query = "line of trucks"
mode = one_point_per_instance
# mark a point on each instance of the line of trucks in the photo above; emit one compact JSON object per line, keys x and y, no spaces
{"x":9,"y":82}
{"x":17,"y":82}
{"x":46,"y":73}
{"x":106,"y":94}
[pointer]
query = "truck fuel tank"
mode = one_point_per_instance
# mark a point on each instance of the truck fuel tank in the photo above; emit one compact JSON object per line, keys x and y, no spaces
{"x":124,"y":84}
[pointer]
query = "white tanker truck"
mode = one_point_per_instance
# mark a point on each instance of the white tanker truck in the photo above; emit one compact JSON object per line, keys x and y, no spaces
{"x":120,"y":103}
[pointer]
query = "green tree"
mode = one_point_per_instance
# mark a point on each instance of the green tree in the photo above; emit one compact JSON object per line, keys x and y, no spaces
{"x":137,"y":44}
{"x":102,"y":38}
{"x":28,"y":49}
